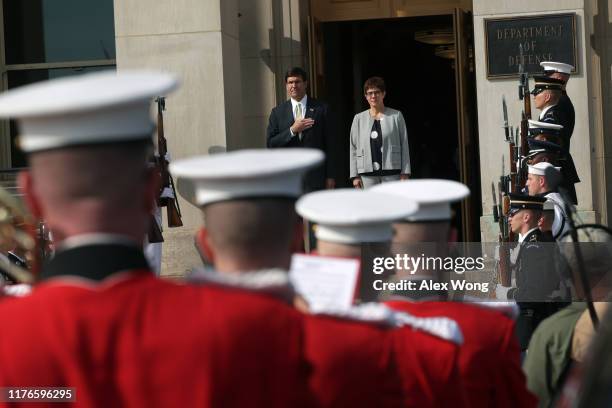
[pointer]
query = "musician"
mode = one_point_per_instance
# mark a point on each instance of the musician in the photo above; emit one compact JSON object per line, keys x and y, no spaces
{"x":489,"y":361}
{"x":356,"y":224}
{"x":99,"y":320}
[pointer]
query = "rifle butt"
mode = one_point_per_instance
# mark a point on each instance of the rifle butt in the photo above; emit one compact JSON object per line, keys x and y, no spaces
{"x":504,"y":270}
{"x":154,"y":234}
{"x":174,"y":218}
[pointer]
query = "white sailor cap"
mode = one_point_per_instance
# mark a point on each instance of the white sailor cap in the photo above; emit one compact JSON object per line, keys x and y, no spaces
{"x":247,"y":173}
{"x":539,"y":169}
{"x":432,"y":195}
{"x":105,"y":107}
{"x":550,"y":66}
{"x":535,"y":124}
{"x":350,"y":216}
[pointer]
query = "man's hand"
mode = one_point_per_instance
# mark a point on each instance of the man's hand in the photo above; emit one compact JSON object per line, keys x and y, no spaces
{"x":330,"y":183}
{"x":302,"y":124}
{"x":404,"y":176}
{"x":357,"y":182}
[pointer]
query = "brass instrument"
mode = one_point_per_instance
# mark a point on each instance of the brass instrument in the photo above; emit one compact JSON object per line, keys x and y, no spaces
{"x":17,"y":233}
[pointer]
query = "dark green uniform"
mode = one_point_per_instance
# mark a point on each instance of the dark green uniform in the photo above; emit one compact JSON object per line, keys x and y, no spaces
{"x":549,"y":353}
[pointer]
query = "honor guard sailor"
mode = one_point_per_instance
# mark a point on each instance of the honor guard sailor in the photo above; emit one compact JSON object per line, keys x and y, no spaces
{"x":489,"y":358}
{"x":562,"y":71}
{"x":417,"y":358}
{"x":546,"y":137}
{"x":539,"y":185}
{"x":534,"y":267}
{"x":98,"y":320}
{"x":546,"y":94}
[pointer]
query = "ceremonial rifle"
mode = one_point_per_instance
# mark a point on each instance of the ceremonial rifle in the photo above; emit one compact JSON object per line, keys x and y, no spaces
{"x":503,"y":266}
{"x":512,"y":153}
{"x":507,"y":184}
{"x":525,"y":96}
{"x":171,"y":203}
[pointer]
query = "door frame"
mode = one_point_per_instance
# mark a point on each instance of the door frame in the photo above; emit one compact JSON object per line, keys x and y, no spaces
{"x":467,"y":130}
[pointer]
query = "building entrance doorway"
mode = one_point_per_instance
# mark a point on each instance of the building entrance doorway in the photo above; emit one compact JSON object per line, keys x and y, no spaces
{"x":428,"y":81}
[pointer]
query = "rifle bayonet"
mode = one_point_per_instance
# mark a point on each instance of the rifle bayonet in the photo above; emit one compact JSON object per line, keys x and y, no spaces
{"x":495,"y":209}
{"x":505,"y":111}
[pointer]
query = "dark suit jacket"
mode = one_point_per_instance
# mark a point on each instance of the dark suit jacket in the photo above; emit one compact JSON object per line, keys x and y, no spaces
{"x":318,"y":137}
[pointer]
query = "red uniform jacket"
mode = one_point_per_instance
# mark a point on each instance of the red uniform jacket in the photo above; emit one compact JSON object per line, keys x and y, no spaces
{"x":489,"y":358}
{"x":360,"y":364}
{"x":133,"y":340}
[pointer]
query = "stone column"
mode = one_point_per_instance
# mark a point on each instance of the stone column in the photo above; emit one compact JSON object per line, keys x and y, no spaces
{"x":199,"y":41}
{"x":273,"y":38}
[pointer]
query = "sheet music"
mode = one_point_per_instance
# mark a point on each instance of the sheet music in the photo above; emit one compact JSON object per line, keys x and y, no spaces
{"x":326,"y":283}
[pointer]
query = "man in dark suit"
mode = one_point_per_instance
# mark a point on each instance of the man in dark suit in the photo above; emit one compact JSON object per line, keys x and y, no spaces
{"x":302,"y":121}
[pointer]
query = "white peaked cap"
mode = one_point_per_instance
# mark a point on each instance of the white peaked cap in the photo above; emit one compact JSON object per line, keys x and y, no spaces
{"x":432,"y":195}
{"x":350,"y":216}
{"x":557,"y":67}
{"x":535,"y":124}
{"x":105,"y":107}
{"x":539,"y":169}
{"x":248,"y":173}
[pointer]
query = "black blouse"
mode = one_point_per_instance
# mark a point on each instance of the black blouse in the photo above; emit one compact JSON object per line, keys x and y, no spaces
{"x":376,"y":147}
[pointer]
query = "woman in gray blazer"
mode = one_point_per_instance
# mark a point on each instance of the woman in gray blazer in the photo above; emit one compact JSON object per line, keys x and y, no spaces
{"x":379,"y":141}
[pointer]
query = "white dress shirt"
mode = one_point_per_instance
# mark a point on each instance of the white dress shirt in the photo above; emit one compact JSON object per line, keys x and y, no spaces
{"x":544,"y":111}
{"x":294,"y":103}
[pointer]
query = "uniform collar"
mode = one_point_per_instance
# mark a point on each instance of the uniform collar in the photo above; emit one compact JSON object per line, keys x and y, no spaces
{"x":522,"y":238}
{"x":545,"y":110}
{"x":268,"y":281}
{"x":95,"y":257}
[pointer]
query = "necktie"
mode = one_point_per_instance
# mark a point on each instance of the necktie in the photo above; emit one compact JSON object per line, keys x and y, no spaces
{"x":298,"y":115}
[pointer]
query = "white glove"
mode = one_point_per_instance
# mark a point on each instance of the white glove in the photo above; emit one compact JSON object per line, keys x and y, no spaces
{"x":167,"y":193}
{"x":501,"y":292}
{"x":17,"y":290}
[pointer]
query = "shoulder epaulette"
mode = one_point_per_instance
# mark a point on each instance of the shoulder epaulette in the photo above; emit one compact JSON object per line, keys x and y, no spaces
{"x":366,"y":312}
{"x":508,"y":308}
{"x":442,"y":327}
{"x":376,"y":313}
